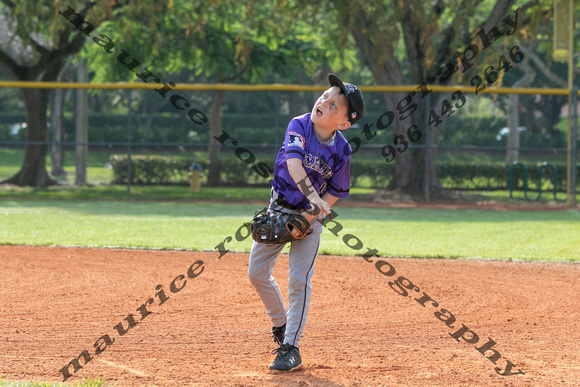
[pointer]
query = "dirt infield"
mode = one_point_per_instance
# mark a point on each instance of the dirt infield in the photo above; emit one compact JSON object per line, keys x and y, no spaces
{"x":213,"y":330}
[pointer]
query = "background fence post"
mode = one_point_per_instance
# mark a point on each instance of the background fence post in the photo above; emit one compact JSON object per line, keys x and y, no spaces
{"x":277,"y":101}
{"x":427,"y":148}
{"x":81,"y":126}
{"x":573,"y":147}
{"x":129,"y":148}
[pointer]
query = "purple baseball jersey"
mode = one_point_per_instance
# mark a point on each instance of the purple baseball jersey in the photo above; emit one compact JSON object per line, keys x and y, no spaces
{"x":327,"y":166}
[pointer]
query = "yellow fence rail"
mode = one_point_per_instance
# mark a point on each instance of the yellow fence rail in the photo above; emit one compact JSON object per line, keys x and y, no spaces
{"x":270,"y":87}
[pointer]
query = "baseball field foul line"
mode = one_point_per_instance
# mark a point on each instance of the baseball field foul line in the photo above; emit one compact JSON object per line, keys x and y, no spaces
{"x":104,"y":341}
{"x":136,"y":372}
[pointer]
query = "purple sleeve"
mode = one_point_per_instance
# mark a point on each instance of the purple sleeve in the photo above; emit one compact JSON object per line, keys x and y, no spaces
{"x":295,"y":140}
{"x":339,"y":183}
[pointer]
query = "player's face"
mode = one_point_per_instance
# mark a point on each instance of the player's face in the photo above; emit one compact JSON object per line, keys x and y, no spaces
{"x":330,"y":111}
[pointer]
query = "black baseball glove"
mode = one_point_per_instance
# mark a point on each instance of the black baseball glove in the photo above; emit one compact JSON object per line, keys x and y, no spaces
{"x":276,"y":227}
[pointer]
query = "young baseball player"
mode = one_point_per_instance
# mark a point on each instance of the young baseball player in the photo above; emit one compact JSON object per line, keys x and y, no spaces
{"x":312,"y":172}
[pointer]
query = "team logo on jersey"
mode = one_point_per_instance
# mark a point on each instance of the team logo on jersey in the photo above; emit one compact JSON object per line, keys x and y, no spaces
{"x":294,"y":139}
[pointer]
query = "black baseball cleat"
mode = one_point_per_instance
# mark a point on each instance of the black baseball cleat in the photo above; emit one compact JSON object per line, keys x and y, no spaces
{"x":278,"y":334}
{"x":287,"y":360}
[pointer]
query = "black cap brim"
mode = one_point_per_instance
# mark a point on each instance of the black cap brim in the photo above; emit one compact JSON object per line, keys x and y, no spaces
{"x":355,"y":110}
{"x":335,"y":81}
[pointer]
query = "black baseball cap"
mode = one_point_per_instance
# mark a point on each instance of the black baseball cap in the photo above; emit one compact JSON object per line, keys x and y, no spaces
{"x":354,"y":98}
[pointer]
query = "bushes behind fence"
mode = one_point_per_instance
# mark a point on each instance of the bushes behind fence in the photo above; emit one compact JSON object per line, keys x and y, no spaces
{"x":166,"y":170}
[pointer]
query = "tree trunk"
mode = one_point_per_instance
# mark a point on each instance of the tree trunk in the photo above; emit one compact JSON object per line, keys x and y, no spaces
{"x":215,"y":130}
{"x":150,"y":105}
{"x":434,"y":182}
{"x":419,"y":27}
{"x":320,"y":78}
{"x":294,"y":103}
{"x":513,"y":111}
{"x":44,"y":63}
{"x":436,"y":100}
{"x":33,"y":171}
{"x":296,"y":98}
{"x":386,"y":70}
{"x":406,"y":162}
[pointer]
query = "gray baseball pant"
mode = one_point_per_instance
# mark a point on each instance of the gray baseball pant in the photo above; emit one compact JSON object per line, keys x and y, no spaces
{"x":302,"y":256}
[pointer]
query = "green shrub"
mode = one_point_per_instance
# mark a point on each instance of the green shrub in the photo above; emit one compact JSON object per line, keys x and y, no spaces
{"x":371,"y":173}
{"x":152,"y":169}
{"x":495,"y":175}
{"x":364,"y":173}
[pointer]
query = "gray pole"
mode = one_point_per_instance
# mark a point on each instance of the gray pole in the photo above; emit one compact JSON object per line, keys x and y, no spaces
{"x":276,"y":119}
{"x":427,"y":147}
{"x":129,"y":149}
{"x":573,"y":145}
{"x":81,"y":126}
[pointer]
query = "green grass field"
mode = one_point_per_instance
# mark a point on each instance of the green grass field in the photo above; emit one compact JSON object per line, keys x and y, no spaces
{"x":551,"y":235}
{"x":99,"y":216}
{"x":84,"y":383}
{"x":97,"y":173}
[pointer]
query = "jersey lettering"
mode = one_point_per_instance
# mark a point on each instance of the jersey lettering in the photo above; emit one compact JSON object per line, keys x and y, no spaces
{"x":313,"y":162}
